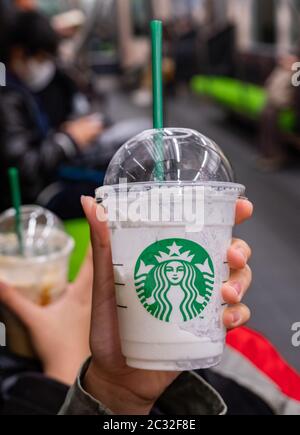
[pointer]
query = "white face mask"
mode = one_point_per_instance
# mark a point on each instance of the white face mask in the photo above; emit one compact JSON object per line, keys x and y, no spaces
{"x":39,"y":74}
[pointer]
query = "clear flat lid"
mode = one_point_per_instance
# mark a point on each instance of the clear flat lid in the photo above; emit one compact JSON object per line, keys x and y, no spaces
{"x":169,"y":155}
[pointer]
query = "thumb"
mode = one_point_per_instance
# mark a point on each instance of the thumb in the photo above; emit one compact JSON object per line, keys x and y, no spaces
{"x":85,"y":275}
{"x":97,"y":219}
{"x":103,"y":269}
{"x":82,"y":287}
{"x":18,"y":304}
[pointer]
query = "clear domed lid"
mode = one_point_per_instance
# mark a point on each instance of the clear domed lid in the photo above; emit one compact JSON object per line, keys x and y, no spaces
{"x":170,"y":155}
{"x":43,"y":232}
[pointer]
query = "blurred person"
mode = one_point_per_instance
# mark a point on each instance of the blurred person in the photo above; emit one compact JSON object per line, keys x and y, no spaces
{"x":25,"y":5}
{"x":185,"y":50}
{"x":29,"y":138}
{"x":60,"y":331}
{"x":5,"y":15}
{"x":49,"y":130}
{"x":67,"y":24}
{"x":142,"y":97}
{"x":280,"y":95}
{"x":70,"y":26}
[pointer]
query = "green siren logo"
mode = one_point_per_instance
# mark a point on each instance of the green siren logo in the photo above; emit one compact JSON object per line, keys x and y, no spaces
{"x":174,"y":280}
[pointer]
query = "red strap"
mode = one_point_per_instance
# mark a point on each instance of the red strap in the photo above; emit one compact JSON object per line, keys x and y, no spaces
{"x":265,"y":357}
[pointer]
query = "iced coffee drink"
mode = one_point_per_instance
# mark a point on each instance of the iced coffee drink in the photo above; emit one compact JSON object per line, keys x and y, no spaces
{"x":40,"y":274}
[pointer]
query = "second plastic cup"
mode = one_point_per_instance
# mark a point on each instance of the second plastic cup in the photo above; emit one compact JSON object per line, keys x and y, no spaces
{"x":41,"y":275}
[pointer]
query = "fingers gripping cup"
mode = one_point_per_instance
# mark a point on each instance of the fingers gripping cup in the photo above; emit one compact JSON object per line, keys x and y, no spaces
{"x":170,"y":199}
{"x":40,"y":273}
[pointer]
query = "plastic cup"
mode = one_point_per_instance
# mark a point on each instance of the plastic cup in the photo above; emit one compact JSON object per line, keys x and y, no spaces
{"x":169,"y":246}
{"x":41,"y":274}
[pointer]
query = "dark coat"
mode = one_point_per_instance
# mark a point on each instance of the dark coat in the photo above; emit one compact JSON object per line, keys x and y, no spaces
{"x":28,"y":142}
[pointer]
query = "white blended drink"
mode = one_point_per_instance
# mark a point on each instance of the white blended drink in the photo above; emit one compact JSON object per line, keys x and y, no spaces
{"x":169,"y":244}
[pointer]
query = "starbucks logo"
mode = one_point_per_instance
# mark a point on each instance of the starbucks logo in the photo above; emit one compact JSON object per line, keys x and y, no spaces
{"x":174,"y":280}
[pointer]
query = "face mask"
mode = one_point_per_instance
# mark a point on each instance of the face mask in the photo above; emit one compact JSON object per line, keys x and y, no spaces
{"x":39,"y":74}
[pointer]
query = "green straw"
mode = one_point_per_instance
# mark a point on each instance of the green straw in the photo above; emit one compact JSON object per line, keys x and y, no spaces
{"x":16,"y":200}
{"x":156,"y":36}
{"x":157,"y":86}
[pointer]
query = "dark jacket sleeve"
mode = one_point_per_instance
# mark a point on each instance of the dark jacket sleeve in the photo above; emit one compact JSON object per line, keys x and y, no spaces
{"x":24,"y":146}
{"x":188,"y":395}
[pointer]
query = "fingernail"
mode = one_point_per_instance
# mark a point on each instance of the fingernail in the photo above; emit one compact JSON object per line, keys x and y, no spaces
{"x":242,"y":254}
{"x":87,"y":201}
{"x":236,"y":286}
{"x":101,"y":214}
{"x":235,"y":318}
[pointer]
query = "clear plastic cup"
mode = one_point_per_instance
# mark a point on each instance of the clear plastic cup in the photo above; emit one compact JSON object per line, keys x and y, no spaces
{"x":40,"y":274}
{"x":171,"y":200}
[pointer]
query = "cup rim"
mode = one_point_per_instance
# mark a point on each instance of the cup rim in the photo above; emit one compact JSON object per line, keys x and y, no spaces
{"x":142,"y":186}
{"x":184,"y":130}
{"x":68,"y":248}
{"x":10,"y":212}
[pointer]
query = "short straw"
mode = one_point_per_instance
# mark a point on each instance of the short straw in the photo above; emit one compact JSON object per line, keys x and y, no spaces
{"x":16,"y":200}
{"x":157,"y":86}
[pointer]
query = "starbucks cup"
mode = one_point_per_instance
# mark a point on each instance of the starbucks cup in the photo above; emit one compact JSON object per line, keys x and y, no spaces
{"x":170,"y":198}
{"x":41,"y":274}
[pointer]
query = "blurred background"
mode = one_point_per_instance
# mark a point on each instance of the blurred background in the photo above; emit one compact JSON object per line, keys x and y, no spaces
{"x":228,"y":68}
